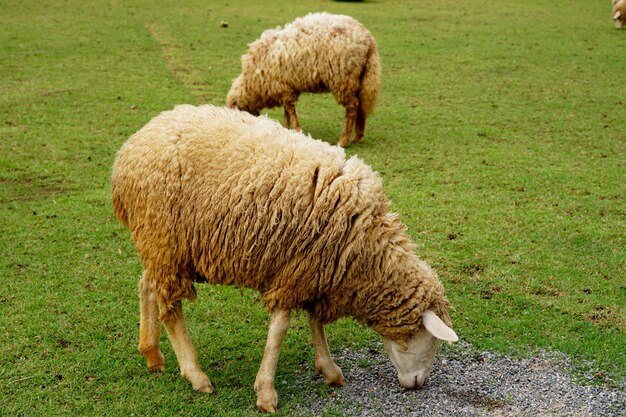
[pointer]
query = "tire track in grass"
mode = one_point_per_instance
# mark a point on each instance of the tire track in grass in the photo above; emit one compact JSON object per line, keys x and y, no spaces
{"x":178,"y":62}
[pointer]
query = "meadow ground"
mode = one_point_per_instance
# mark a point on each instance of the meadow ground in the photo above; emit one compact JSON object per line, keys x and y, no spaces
{"x":500,"y":136}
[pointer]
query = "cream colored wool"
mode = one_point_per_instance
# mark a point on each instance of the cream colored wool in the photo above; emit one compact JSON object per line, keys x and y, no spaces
{"x":220,"y":196}
{"x":317,"y":53}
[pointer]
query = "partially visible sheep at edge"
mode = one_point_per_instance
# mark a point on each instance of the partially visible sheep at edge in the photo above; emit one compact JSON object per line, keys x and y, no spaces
{"x":619,"y":13}
{"x":220,"y":196}
{"x":318,"y":53}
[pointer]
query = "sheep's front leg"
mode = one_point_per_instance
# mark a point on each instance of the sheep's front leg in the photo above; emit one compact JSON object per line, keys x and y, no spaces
{"x":323,"y":361}
{"x":267,"y":398}
{"x":149,"y":325}
{"x":185,"y":353}
{"x":350,"y":121}
{"x":291,"y":118}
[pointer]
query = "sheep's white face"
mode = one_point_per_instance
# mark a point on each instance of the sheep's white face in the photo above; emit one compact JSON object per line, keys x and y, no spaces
{"x":415,"y":362}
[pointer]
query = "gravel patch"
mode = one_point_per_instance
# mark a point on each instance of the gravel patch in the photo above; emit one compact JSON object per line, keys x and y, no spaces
{"x":464,"y":382}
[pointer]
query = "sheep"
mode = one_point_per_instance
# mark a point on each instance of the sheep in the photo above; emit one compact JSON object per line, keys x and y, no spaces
{"x":217,"y":195}
{"x":317,"y":53}
{"x":619,"y":13}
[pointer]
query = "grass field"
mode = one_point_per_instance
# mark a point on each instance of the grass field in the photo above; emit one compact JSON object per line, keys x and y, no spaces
{"x":500,"y":136}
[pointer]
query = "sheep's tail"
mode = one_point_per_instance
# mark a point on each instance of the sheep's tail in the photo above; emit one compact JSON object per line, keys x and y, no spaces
{"x":370,"y":81}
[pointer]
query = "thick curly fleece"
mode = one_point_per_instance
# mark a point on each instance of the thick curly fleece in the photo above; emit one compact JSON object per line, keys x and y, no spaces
{"x":219,"y":196}
{"x":317,"y":53}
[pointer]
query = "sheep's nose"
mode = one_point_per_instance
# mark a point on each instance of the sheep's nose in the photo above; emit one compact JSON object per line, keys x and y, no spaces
{"x":413,"y":382}
{"x":420,"y":383}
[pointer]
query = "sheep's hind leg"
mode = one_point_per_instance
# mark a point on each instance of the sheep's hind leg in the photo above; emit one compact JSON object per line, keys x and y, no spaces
{"x":351,"y":115}
{"x":267,"y":398}
{"x":287,"y":122}
{"x":360,"y":124}
{"x":185,"y":352}
{"x":323,"y":361}
{"x":149,"y":325}
{"x":291,"y":118}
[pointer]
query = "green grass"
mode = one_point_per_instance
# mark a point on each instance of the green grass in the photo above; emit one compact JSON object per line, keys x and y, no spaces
{"x":500,"y":136}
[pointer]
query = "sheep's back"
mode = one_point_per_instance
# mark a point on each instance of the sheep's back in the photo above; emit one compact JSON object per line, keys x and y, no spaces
{"x":219,"y":194}
{"x":316,"y":53}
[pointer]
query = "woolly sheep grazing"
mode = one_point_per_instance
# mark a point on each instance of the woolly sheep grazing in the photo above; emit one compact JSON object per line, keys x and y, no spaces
{"x":318,"y":53}
{"x":219,"y":196}
{"x":619,"y":13}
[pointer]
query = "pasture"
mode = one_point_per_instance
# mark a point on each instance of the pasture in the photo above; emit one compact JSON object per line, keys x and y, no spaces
{"x":500,"y":136}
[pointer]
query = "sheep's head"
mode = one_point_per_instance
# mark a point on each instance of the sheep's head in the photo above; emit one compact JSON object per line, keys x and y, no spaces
{"x":618,"y":19}
{"x":619,"y":13}
{"x":414,"y":360}
{"x":238,"y":98}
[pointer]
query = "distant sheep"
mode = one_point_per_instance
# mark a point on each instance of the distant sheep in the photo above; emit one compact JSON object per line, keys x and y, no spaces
{"x":619,"y":13}
{"x":220,"y":196}
{"x":318,"y":53}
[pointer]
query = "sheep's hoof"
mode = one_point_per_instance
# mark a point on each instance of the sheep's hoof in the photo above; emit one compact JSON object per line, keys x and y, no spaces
{"x":207,"y":389}
{"x":267,"y":400}
{"x":155,"y":360}
{"x":332,"y":375}
{"x":336,"y":380}
{"x":198,"y":379}
{"x":202,"y":383}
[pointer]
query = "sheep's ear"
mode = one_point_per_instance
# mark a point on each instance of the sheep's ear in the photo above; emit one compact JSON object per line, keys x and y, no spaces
{"x":617,"y":15}
{"x":437,"y":327}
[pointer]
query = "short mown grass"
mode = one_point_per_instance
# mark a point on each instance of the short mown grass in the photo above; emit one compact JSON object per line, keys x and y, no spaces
{"x":500,"y":136}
